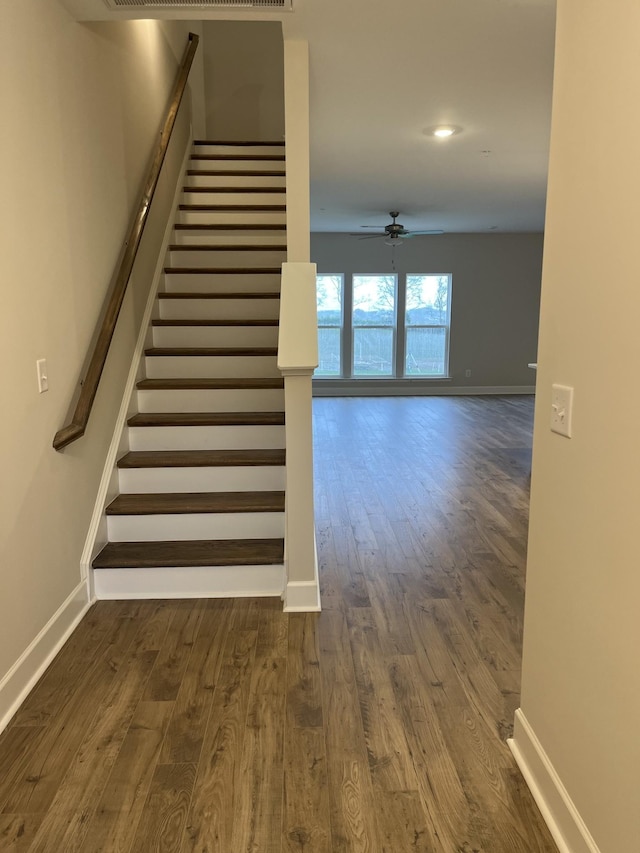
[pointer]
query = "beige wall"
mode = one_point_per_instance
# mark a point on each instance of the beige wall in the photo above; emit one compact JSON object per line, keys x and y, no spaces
{"x":82,"y":106}
{"x":581,"y":681}
{"x":496,"y":292}
{"x":244,"y":80}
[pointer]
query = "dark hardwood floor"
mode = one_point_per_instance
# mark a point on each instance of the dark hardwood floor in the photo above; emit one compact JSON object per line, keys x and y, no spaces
{"x":377,"y":726}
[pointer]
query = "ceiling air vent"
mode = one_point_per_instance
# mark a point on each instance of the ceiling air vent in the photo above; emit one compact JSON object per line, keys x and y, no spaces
{"x":248,"y":5}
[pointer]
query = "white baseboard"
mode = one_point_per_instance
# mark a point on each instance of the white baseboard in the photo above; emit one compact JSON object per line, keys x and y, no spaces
{"x":382,"y":388}
{"x":304,"y":596}
{"x":568,"y":829}
{"x":23,"y":675}
{"x":190,"y":582}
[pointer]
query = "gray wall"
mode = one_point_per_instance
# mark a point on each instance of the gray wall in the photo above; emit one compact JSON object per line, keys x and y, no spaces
{"x":244,"y":80}
{"x":495,"y":299}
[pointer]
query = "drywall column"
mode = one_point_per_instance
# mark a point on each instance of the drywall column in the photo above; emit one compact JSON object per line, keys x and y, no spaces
{"x":576,"y":735}
{"x":297,"y":359}
{"x":298,"y":339}
{"x":296,"y":116}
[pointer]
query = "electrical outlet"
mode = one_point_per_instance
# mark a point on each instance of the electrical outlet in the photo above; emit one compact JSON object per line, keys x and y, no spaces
{"x":561,"y":409}
{"x":43,"y":378}
{"x":467,"y":372}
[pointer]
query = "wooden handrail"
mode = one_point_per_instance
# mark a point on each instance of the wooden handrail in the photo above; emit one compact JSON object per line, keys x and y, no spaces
{"x":76,"y":427}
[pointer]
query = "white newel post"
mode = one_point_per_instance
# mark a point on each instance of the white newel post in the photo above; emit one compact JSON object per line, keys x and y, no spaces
{"x":297,"y":359}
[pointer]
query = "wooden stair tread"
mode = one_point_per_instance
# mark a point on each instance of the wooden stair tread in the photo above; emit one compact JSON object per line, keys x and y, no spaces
{"x":234,"y":294}
{"x":240,"y":142}
{"x":186,"y":503}
{"x":221,"y":270}
{"x":235,"y":226}
{"x":159,"y":322}
{"x":202,"y":458}
{"x":206,"y":247}
{"x":198,"y":552}
{"x":279,"y":208}
{"x":231,"y":173}
{"x":240,"y":189}
{"x":280,"y":158}
{"x":211,"y":383}
{"x":153,"y":419}
{"x":210,"y":351}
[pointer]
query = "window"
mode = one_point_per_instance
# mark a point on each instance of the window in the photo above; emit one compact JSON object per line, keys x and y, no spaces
{"x":427,"y":325}
{"x":374,"y":320}
{"x":375,"y":326}
{"x":329,"y":290}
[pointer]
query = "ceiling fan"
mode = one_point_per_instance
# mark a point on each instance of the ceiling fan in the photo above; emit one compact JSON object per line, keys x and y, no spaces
{"x":394,"y":233}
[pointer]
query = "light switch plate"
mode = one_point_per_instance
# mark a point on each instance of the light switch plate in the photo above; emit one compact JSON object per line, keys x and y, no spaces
{"x":561,"y":409}
{"x":43,"y":379}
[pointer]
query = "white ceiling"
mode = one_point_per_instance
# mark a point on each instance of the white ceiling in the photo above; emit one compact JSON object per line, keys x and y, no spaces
{"x":383,"y":71}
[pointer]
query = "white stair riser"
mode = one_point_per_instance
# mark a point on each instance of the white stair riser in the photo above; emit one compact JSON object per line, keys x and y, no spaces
{"x":190,"y":582}
{"x":219,"y":309}
{"x":206,"y":437}
{"x":211,"y":400}
{"x":228,"y":148}
{"x":232,"y":217}
{"x":256,"y":165}
{"x":231,"y":258}
{"x":200,"y":367}
{"x":216,"y":181}
{"x":244,"y":478}
{"x":225,"y":238}
{"x":215,"y":336}
{"x":246,"y":199}
{"x":222,"y":282}
{"x":182,"y":527}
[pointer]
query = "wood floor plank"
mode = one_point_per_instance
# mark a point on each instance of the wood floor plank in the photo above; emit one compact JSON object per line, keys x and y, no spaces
{"x":259,"y":795}
{"x":173,"y":657}
{"x":214,"y":803}
{"x":17,"y":831}
{"x":114,"y":824}
{"x":185,"y":734}
{"x":42,"y":776}
{"x":389,"y":761}
{"x":78,"y":655}
{"x":306,"y":826}
{"x":351,"y":801}
{"x":67,"y":821}
{"x":18,"y":744}
{"x":304,"y":690}
{"x":165,"y":812}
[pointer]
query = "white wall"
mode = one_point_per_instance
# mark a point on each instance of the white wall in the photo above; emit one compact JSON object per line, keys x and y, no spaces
{"x":82,"y":106}
{"x":581,"y":673}
{"x":496,"y":292}
{"x":244,"y":80}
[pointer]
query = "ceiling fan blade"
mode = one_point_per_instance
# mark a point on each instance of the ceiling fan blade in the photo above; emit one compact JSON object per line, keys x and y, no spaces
{"x":422,"y":233}
{"x":367,"y":236}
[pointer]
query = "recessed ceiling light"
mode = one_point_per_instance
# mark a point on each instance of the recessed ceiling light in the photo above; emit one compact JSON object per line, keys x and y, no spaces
{"x":444,"y":131}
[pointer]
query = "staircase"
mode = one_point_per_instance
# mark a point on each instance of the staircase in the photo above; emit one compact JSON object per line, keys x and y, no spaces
{"x":201,"y":505}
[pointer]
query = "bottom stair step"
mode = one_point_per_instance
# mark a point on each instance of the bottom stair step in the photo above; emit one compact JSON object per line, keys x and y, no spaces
{"x":202,"y":552}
